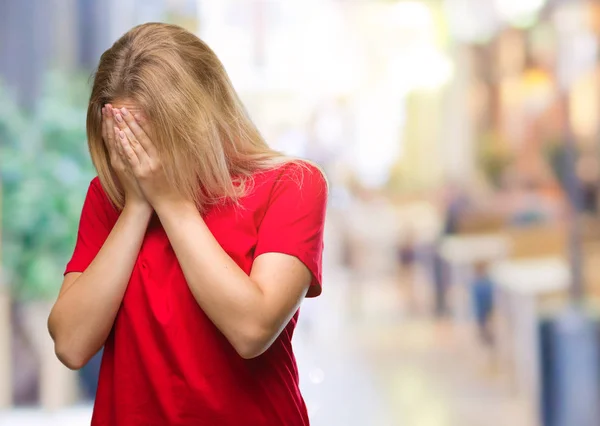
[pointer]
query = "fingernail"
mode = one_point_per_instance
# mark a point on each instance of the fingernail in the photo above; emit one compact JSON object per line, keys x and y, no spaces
{"x":124,"y":111}
{"x":118,"y":117}
{"x":121,"y":135}
{"x":138,"y":117}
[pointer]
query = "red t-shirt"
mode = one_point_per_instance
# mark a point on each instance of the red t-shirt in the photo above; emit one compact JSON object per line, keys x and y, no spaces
{"x":165,"y":362}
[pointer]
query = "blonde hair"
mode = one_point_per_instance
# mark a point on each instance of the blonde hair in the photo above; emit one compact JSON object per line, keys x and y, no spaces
{"x":208,"y":145}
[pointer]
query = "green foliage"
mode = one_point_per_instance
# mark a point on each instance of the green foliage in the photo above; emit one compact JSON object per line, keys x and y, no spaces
{"x":493,"y":157}
{"x":45,"y":170}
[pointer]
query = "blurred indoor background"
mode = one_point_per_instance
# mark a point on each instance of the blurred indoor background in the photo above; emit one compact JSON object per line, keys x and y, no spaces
{"x":461,"y":141}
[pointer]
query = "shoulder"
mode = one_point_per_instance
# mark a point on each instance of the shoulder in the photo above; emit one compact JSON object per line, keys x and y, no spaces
{"x":296,"y":184}
{"x":98,"y":198}
{"x":96,"y":185}
{"x":300,"y":177}
{"x":97,"y":190}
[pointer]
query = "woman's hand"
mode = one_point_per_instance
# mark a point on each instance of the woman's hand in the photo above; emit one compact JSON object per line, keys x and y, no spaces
{"x":133,"y":192}
{"x":141,"y":157}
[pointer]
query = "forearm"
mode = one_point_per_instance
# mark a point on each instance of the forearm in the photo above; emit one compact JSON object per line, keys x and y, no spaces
{"x":84,"y":313}
{"x":233,"y":302}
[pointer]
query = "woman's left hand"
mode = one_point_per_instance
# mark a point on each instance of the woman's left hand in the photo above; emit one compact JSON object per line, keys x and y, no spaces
{"x":141,"y":155}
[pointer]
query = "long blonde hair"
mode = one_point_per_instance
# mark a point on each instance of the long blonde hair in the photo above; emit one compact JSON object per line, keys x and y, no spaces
{"x":200,"y":128}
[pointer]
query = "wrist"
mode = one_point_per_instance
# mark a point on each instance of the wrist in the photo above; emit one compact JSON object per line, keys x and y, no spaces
{"x":141,"y":209}
{"x":165,"y":206}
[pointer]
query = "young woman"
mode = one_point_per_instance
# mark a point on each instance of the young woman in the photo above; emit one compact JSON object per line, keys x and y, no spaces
{"x":197,"y":244}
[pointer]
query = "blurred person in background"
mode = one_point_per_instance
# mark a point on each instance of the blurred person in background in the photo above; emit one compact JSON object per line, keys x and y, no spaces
{"x":440,"y":280}
{"x":455,"y":204}
{"x":196,"y":246}
{"x":482,"y":296}
{"x":588,"y":172}
{"x":407,"y":262}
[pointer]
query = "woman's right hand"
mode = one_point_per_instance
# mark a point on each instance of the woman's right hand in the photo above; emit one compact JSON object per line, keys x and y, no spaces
{"x":133,"y":193}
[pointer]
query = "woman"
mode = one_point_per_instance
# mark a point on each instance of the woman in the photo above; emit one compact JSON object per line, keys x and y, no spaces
{"x":197,"y":244}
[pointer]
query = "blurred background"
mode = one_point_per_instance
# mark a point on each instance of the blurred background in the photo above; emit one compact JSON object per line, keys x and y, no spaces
{"x":461,"y":139}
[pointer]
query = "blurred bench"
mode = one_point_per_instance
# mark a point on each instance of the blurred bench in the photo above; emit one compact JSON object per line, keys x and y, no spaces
{"x":480,"y":223}
{"x":537,"y":242}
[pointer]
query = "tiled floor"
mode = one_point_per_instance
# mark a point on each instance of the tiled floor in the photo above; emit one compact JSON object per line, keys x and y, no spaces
{"x":372,"y":365}
{"x":410,"y":370}
{"x":77,"y":416}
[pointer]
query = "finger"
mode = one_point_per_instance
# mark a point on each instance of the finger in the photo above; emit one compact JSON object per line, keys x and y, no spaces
{"x":138,"y":149}
{"x":127,"y":153}
{"x":133,"y":141}
{"x":118,"y":145}
{"x":117,"y":123}
{"x":138,"y":131}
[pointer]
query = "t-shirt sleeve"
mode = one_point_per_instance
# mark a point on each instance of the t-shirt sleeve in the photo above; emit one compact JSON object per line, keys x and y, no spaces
{"x":295,"y":217}
{"x":95,"y":224}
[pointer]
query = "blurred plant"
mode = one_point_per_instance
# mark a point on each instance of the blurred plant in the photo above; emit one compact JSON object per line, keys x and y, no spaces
{"x":494,"y":157}
{"x":45,"y":169}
